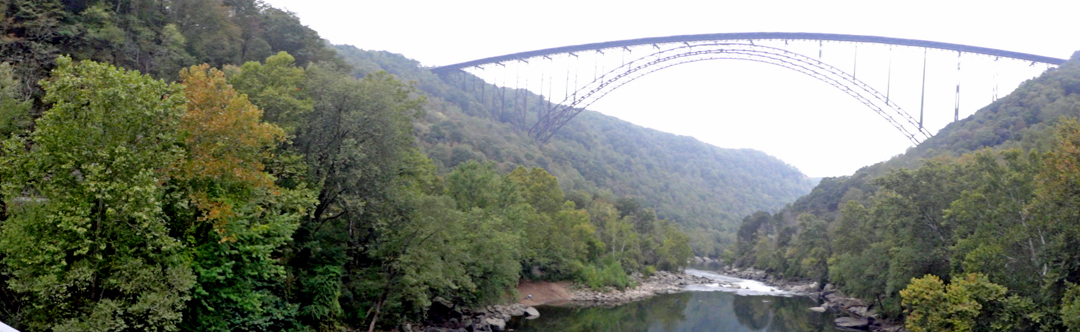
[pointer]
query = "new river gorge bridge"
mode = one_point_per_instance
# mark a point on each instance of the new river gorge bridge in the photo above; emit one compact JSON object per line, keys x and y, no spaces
{"x":565,"y":80}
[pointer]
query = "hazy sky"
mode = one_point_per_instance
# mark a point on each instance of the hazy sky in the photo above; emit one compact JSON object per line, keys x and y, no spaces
{"x":737,"y":104}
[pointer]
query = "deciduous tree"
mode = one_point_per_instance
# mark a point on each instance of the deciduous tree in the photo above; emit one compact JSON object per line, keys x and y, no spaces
{"x":87,"y":242}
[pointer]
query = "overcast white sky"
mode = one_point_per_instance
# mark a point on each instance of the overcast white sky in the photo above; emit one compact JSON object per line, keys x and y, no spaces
{"x":735,"y":104}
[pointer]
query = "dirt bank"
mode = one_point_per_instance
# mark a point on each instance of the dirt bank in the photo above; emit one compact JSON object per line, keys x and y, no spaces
{"x":544,"y":292}
{"x":564,"y":293}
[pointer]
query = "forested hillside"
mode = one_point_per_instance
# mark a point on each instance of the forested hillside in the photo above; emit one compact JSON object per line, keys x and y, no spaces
{"x":975,"y":229}
{"x":703,"y":187}
{"x":213,"y":165}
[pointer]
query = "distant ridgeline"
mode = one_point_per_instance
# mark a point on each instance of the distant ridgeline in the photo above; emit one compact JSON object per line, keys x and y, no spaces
{"x":703,"y":187}
{"x":985,"y":211}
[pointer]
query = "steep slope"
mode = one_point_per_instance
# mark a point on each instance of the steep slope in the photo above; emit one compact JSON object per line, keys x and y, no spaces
{"x":990,"y":201}
{"x":700,"y":186}
{"x":1022,"y":119}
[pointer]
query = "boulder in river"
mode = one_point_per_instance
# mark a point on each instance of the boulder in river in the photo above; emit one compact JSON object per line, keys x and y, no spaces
{"x":818,"y":309}
{"x":531,"y":313}
{"x":496,"y":324}
{"x":852,"y":323}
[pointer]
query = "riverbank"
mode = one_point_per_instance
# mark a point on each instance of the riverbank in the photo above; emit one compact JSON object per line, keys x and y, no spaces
{"x":449,"y":318}
{"x":661,"y":282}
{"x":857,"y":314}
{"x":568,"y":294}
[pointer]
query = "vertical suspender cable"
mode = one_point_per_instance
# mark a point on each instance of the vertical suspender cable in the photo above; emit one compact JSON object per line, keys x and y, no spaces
{"x":956,"y":111}
{"x":596,"y":65}
{"x":551,"y":83}
{"x":922,"y":102}
{"x":888,"y":80}
{"x":517,"y":92}
{"x":525,"y":104}
{"x":855,"y":62}
{"x":577,"y":69}
{"x":996,"y":79}
{"x":541,"y":93}
{"x":566,"y":88}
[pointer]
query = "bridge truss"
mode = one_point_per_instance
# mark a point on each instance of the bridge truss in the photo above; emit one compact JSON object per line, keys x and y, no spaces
{"x":549,"y":116}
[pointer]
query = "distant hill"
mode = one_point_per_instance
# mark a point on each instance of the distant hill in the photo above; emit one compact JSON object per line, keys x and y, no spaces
{"x":705,"y":188}
{"x":1022,"y":119}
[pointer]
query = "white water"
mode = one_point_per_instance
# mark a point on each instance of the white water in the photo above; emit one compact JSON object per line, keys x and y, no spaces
{"x":739,"y":286}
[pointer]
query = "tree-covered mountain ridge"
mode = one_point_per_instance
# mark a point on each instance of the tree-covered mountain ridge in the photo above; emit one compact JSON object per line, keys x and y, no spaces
{"x":976,"y":229}
{"x":703,"y":187}
{"x":1023,"y":119}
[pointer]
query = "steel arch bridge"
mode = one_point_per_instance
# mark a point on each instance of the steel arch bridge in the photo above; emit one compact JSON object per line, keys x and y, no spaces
{"x":684,"y":49}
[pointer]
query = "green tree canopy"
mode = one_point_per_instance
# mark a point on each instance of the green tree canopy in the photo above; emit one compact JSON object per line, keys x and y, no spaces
{"x":86,"y":240}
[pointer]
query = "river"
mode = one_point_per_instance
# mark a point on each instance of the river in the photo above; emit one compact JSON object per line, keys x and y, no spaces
{"x":752,"y":306}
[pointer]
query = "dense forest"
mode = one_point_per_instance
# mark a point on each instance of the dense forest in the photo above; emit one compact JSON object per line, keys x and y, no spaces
{"x":214,"y":165}
{"x":702,"y":187}
{"x":976,"y":229}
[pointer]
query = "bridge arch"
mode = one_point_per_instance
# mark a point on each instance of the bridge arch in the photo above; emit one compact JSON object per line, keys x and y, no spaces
{"x":731,"y":46}
{"x":554,"y":117}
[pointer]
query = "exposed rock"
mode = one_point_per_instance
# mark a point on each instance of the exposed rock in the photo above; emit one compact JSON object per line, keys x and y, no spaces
{"x":818,"y":309}
{"x":516,"y":310}
{"x":496,"y":324}
{"x":531,"y":313}
{"x":661,"y":282}
{"x":860,"y":311}
{"x":852,"y":323}
{"x":832,"y":297}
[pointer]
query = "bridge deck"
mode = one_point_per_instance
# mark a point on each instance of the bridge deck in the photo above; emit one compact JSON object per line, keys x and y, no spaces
{"x":754,"y":36}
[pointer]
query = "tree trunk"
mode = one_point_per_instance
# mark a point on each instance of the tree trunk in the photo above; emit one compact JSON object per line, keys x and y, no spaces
{"x":378,"y":307}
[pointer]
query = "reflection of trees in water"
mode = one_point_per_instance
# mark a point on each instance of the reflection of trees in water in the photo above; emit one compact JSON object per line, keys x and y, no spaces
{"x":793,"y":314}
{"x":752,"y":312}
{"x":637,"y":316}
{"x":685,"y":312}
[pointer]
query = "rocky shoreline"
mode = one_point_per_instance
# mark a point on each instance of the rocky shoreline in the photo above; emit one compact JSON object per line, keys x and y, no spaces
{"x":661,"y":282}
{"x":854,"y":313}
{"x":494,"y":318}
{"x":449,"y":318}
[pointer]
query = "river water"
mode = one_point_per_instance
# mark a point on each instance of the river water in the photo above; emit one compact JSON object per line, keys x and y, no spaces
{"x":750,"y":306}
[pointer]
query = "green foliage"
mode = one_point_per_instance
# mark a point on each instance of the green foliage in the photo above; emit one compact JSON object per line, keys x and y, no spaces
{"x":357,"y":147}
{"x":993,"y":195}
{"x":87,"y":242}
{"x":703,"y":188}
{"x":604,"y":274}
{"x":971,"y":303}
{"x":517,"y":217}
{"x":277,"y":88}
{"x":673,"y":252}
{"x":1070,"y":308}
{"x":131,"y":208}
{"x":241,"y":219}
{"x":148,"y":36}
{"x":812,"y":248}
{"x":14,"y":103}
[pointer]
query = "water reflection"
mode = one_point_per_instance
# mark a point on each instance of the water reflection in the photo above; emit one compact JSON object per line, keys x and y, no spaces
{"x":693,"y":311}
